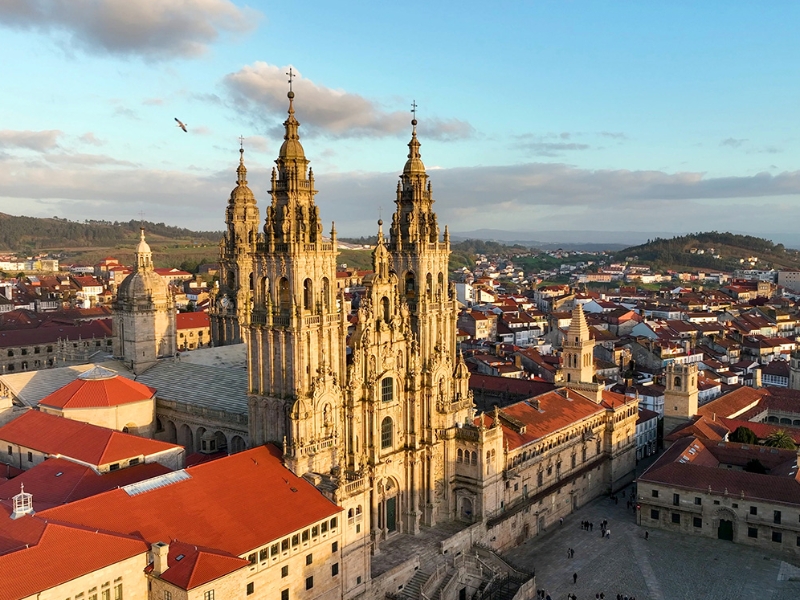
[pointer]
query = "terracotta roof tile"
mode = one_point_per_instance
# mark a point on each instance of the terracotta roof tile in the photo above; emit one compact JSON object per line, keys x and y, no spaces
{"x":198,"y":565}
{"x":207,"y":507}
{"x":80,"y":441}
{"x":61,"y":554}
{"x":98,"y":387}
{"x":192,"y":320}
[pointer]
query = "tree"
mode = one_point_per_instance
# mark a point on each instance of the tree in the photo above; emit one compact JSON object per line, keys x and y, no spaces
{"x":780,"y":439}
{"x":744,"y":435}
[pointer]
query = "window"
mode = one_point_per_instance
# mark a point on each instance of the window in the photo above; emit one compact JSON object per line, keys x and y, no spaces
{"x":263,"y":554}
{"x":334,"y":522}
{"x":752,"y":532}
{"x":309,"y":582}
{"x":285,"y":545}
{"x":250,"y":588}
{"x":776,"y":516}
{"x":335,"y":547}
{"x":309,"y":559}
{"x":654,"y":493}
{"x":315,"y":531}
{"x":387,"y":389}
{"x":753,"y":510}
{"x":777,"y":537}
{"x":118,"y":592}
{"x":284,"y":571}
{"x":654,"y":514}
{"x":133,"y":462}
{"x":698,"y":500}
{"x":459,"y":455}
{"x":539,"y":478}
{"x":358,"y":580}
{"x":252,"y":558}
{"x":386,"y":433}
{"x":305,"y":535}
{"x":697,"y":522}
{"x":10,"y":451}
{"x":30,"y":456}
{"x":676,"y":499}
{"x":295,"y":540}
{"x":208,"y":595}
{"x":105,"y":594}
{"x":114,"y":467}
{"x":334,"y":569}
{"x":676,"y":517}
{"x":167,"y":595}
{"x":324,"y":527}
{"x":284,"y":594}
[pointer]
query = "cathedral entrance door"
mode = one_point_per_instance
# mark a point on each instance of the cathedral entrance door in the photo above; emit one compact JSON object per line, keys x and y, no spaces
{"x":391,"y":514}
{"x":725,"y":530}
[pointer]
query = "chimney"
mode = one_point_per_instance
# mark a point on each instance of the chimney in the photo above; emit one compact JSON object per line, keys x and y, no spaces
{"x":757,"y":378}
{"x":160,"y":554}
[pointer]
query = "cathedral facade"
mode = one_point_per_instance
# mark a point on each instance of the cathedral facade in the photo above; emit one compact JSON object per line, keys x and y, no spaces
{"x":373,"y":405}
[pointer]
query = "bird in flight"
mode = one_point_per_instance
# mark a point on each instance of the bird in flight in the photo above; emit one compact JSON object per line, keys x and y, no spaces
{"x":180,"y":124}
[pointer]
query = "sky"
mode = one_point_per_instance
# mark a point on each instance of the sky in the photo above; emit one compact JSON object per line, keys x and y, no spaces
{"x":533,"y":116}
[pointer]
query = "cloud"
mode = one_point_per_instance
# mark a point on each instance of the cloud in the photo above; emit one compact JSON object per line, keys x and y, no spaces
{"x":40,"y":141}
{"x":153,"y":102}
{"x":261,"y":88}
{"x":122,"y":111}
{"x":552,"y":148}
{"x":733,"y":142}
{"x":90,"y":138}
{"x":155,"y":30}
{"x":530,"y":196}
{"x":616,"y":135}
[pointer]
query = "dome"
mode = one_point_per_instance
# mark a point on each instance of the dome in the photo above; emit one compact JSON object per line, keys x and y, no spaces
{"x":242,"y":194}
{"x":143,"y":247}
{"x":142,"y":284}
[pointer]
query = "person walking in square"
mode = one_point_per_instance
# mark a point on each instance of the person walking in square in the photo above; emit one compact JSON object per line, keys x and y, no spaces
{"x":574,"y":578}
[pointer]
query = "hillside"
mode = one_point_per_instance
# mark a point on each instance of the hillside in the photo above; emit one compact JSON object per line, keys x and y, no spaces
{"x":714,"y":251}
{"x":27,"y":234}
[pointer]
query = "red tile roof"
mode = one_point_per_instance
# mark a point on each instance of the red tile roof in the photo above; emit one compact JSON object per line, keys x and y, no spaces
{"x":733,"y":404}
{"x":518,"y":387}
{"x":52,"y":332}
{"x":198,"y":565}
{"x":80,"y":441}
{"x":62,"y":553}
{"x":207,"y":508}
{"x":556,"y":410}
{"x":58,"y":481}
{"x":98,"y":387}
{"x":192,"y":320}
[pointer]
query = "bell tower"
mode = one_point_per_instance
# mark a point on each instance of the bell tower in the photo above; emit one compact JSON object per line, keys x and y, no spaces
{"x":295,"y":358}
{"x":440,"y":396}
{"x":578,"y":349}
{"x":794,"y":371}
{"x":680,"y":395}
{"x":232,"y":305}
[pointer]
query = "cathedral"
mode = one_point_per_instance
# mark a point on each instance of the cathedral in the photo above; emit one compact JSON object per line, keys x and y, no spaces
{"x":365,"y":412}
{"x":374,"y":407}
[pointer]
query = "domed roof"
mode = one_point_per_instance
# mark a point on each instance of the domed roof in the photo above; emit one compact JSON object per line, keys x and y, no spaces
{"x":242,"y":194}
{"x":141,"y":284}
{"x":98,"y":387}
{"x":142,"y":247}
{"x":414,"y":165}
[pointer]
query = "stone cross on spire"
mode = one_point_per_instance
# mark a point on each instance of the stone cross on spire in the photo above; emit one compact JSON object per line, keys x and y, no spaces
{"x":291,"y":75}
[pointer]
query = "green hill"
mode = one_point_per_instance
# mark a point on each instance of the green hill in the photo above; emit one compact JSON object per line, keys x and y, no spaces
{"x":713,"y":251}
{"x":26,"y":234}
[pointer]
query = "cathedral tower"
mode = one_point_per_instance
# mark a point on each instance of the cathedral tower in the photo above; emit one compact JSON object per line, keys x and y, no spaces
{"x":144,"y":315}
{"x":578,"y":349}
{"x":295,"y":352}
{"x":680,"y":395}
{"x":232,"y":306}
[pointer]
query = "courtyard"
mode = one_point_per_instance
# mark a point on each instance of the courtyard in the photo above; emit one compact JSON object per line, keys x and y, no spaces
{"x":667,"y":566}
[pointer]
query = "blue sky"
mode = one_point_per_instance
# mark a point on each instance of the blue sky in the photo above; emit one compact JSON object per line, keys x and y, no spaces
{"x":534,"y":116}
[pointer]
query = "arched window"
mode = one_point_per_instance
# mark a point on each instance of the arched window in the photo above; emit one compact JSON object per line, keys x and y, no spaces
{"x":284,"y":294}
{"x":387,"y":389}
{"x":677,"y":382}
{"x":460,"y":456}
{"x":231,"y":279}
{"x":385,"y":309}
{"x":410,"y":284}
{"x":264,"y":289}
{"x":441,"y":284}
{"x":429,"y":286}
{"x":251,"y":282}
{"x":326,"y":290}
{"x":474,"y":458}
{"x":387,"y":433}
{"x":308,"y":295}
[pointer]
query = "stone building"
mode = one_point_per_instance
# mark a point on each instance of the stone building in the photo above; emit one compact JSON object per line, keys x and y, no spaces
{"x":144,"y":315}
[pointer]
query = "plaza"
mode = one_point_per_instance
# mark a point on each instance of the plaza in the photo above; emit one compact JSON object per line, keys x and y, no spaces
{"x":667,"y":566}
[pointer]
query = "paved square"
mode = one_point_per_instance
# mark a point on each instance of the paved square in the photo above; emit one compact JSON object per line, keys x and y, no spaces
{"x":668,"y":566}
